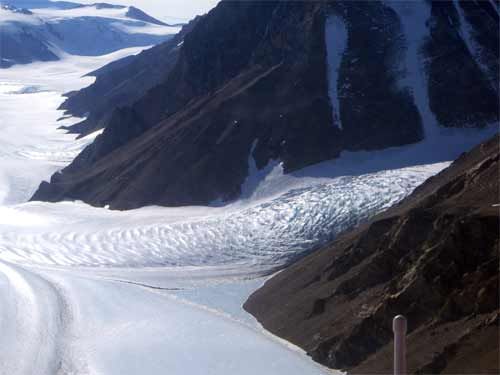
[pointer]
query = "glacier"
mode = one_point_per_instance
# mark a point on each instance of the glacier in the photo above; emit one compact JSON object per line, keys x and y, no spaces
{"x":160,"y":290}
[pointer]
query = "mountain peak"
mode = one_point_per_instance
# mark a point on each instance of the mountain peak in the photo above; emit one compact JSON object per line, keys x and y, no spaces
{"x":138,"y":14}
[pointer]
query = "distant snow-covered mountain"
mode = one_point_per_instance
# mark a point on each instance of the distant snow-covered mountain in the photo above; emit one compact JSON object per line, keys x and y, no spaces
{"x":45,"y":31}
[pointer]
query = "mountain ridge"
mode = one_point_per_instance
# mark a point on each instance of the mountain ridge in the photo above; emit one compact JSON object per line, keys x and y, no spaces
{"x":52,"y":30}
{"x":121,"y":83}
{"x":270,"y":84}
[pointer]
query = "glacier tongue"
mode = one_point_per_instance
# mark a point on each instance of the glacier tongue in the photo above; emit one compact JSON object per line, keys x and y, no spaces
{"x":267,"y":233}
{"x":279,"y":217}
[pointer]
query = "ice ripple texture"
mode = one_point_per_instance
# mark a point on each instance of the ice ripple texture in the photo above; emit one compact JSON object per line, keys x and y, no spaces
{"x":267,"y":233}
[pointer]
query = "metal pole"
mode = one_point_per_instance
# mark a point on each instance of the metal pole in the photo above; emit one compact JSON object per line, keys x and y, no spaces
{"x":399,"y":327}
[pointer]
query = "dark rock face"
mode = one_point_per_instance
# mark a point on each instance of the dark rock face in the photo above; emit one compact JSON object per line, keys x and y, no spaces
{"x":253,"y":75}
{"x":219,"y":99}
{"x":122,"y":83}
{"x":23,"y":48}
{"x":455,"y":102}
{"x":434,"y":258}
{"x":371,"y":101}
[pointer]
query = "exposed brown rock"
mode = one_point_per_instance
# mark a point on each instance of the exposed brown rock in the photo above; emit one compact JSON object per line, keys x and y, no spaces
{"x":434,"y":258}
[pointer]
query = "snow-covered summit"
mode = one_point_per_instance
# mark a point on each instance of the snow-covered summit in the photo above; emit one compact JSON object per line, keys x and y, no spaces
{"x":45,"y":31}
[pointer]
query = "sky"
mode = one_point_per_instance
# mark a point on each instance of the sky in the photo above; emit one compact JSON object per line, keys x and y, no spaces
{"x":165,"y":10}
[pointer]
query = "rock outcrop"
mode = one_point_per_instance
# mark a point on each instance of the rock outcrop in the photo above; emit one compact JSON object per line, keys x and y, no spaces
{"x":434,"y":258}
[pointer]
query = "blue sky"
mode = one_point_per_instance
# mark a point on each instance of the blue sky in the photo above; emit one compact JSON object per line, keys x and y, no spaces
{"x":166,"y":9}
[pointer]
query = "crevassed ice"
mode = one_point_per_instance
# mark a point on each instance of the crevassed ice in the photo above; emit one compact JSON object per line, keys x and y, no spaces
{"x":280,"y":217}
{"x":268,"y":233}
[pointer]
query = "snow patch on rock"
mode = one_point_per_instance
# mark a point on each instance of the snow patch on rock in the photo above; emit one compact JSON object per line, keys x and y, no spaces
{"x":336,"y":37}
{"x":466,"y":32}
{"x":414,"y":17}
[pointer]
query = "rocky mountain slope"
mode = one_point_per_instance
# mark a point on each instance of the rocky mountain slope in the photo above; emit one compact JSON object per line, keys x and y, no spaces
{"x":296,"y":82}
{"x":433,"y":257}
{"x":50,"y":30}
{"x":122,"y":83}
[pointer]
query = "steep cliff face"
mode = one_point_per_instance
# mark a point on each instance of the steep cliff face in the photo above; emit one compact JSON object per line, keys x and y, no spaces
{"x":433,"y":258}
{"x":463,"y":90}
{"x":23,"y":47}
{"x":293,"y":81}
